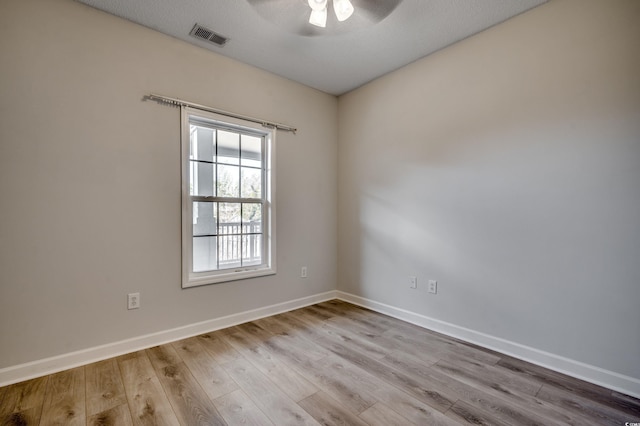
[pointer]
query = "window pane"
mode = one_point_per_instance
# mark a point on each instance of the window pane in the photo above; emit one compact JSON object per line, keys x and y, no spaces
{"x":251,"y":154}
{"x":228,"y":181}
{"x":251,"y":250}
{"x":204,"y":218}
{"x":229,"y":248}
{"x":251,"y":218}
{"x":251,"y":183}
{"x":202,"y":144}
{"x":228,"y":147}
{"x":229,"y":222}
{"x":201,"y":178}
{"x":205,"y":250}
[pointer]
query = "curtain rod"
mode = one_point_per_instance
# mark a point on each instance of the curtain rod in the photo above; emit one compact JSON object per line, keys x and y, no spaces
{"x":180,"y":102}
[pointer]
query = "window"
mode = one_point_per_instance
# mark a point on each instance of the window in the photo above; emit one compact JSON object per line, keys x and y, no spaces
{"x":228,"y":214}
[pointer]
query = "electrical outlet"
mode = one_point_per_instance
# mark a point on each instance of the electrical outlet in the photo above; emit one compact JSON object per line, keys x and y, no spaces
{"x":303,"y":272}
{"x":433,"y":286}
{"x":413,"y":282}
{"x":133,"y":300}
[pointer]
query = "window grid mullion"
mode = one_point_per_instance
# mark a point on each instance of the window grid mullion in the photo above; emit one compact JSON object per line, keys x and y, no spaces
{"x":241,"y":226}
{"x":218,"y":239}
{"x":240,"y":187}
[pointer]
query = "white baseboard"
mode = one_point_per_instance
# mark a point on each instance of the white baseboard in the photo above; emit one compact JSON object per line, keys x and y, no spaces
{"x":19,"y":373}
{"x":609,"y":379}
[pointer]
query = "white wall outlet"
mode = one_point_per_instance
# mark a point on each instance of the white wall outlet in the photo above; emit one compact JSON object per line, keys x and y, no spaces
{"x":433,"y":286}
{"x":413,"y":282}
{"x":303,"y":272}
{"x":133,"y":300}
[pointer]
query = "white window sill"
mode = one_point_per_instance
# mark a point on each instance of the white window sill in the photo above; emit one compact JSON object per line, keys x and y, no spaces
{"x":222,"y":277}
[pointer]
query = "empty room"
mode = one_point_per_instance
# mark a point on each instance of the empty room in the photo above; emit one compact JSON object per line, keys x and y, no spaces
{"x":336,"y":212}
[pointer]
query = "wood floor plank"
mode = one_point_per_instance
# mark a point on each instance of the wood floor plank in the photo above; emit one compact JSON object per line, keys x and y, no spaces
{"x":217,"y":347}
{"x":385,"y":343}
{"x":238,"y":409}
{"x":342,"y":335}
{"x":327,"y":411}
{"x":266,"y":395}
{"x":288,"y":380}
{"x":413,"y":410}
{"x":376,"y":322}
{"x":22,"y":402}
{"x":148,"y":403}
{"x":27,"y":417}
{"x":316,"y":312}
{"x":341,"y":309}
{"x":314,"y":332}
{"x":558,"y":380}
{"x":104,"y":387}
{"x":440,"y":349}
{"x":509,"y":408}
{"x":64,"y":401}
{"x":252,"y":329}
{"x":23,"y":396}
{"x":116,"y":416}
{"x":465,"y":413}
{"x":381,"y":415}
{"x":273,"y":326}
{"x":579,"y":405}
{"x":400,"y":401}
{"x":334,"y":377}
{"x":190,"y":403}
{"x":554,"y":380}
{"x":295,"y":339}
{"x":425,"y":390}
{"x":449,"y":343}
{"x":364,"y":323}
{"x":518,"y":398}
{"x":211,"y":376}
{"x":312,"y":315}
{"x":626,"y":403}
{"x":489,"y":375}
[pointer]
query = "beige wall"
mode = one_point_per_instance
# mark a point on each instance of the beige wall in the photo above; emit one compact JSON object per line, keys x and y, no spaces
{"x":90,"y":180}
{"x":507,"y":167}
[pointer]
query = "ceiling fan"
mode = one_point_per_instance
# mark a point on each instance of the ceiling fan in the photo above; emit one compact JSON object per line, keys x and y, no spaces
{"x":342,"y":8}
{"x":295,"y":16}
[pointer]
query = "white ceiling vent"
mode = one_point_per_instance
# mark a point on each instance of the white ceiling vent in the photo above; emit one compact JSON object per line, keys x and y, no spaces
{"x":206,"y":34}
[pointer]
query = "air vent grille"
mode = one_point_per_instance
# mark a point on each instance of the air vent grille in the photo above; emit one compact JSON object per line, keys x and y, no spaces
{"x":206,"y":34}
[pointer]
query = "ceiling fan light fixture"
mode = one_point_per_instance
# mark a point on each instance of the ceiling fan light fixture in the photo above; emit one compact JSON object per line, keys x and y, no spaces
{"x":318,"y":17}
{"x":318,"y":5}
{"x":342,"y":8}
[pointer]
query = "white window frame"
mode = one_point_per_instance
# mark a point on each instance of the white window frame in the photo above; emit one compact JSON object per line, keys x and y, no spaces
{"x":268,"y":267}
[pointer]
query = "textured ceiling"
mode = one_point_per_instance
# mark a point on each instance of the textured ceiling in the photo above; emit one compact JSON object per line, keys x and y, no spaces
{"x":274,"y":35}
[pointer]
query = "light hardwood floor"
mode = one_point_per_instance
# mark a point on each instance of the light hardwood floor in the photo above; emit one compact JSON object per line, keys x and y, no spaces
{"x":331,"y":364}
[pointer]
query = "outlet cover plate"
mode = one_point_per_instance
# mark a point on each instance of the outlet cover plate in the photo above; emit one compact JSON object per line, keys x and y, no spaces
{"x":133,"y":300}
{"x":413,"y":282}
